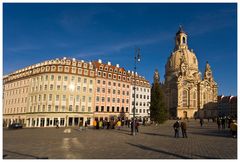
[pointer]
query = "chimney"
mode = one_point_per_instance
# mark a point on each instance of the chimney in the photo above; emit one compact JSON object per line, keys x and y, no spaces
{"x":64,"y":58}
{"x":109,"y":63}
{"x":128,"y":71}
{"x":99,"y":61}
{"x":74,"y":59}
{"x":117,"y":65}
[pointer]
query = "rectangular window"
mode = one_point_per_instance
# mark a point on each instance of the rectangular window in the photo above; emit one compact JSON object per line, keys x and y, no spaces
{"x":49,"y":108}
{"x":77,"y":98}
{"x":102,"y":108}
{"x":83,"y":98}
{"x":89,"y":109}
{"x":56,"y":108}
{"x":43,"y":108}
{"x":52,"y":77}
{"x":78,"y":88}
{"x":79,"y":79}
{"x":65,"y":78}
{"x":57,"y":97}
{"x":97,"y":98}
{"x":50,"y":97}
{"x":59,"y":78}
{"x":90,"y":90}
{"x":108,"y":108}
{"x":58,"y":87}
{"x":96,"y":108}
{"x":63,"y":108}
{"x":51,"y":87}
{"x":77,"y":108}
{"x":83,"y":108}
{"x":70,"y":108}
{"x":64,"y":98}
{"x":113,"y":109}
{"x":98,"y":89}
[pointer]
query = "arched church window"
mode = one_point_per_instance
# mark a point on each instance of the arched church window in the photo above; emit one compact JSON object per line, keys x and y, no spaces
{"x":185,"y":98}
{"x":194,"y":99}
{"x":184,"y":40}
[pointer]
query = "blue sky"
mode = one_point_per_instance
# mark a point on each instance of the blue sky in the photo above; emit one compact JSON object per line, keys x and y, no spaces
{"x":36,"y":32}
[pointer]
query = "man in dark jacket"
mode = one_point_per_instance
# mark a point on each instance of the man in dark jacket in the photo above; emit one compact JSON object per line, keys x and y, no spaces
{"x":176,"y":126}
{"x":184,"y":129}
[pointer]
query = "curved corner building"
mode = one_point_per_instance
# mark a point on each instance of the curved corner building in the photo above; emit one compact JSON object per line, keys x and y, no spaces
{"x":56,"y":91}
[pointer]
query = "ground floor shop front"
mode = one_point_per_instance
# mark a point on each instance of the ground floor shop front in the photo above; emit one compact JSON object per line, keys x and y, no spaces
{"x":49,"y":120}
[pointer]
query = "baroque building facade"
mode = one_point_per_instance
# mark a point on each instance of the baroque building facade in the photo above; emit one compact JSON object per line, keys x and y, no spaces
{"x":53,"y":92}
{"x":66,"y":92}
{"x":112,"y":92}
{"x":187,"y":94}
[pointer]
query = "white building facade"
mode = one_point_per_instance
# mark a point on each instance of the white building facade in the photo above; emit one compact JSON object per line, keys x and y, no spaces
{"x":142,"y":99}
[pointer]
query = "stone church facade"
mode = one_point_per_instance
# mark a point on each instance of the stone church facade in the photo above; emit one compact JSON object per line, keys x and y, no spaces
{"x":187,"y":93}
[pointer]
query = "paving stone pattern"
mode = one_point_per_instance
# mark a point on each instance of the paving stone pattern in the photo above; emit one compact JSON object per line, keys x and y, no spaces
{"x":152,"y":142}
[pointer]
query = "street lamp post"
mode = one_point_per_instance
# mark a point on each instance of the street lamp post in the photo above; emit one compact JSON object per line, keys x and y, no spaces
{"x":136,"y":59}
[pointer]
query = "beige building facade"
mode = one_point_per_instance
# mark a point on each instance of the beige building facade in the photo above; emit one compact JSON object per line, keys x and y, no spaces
{"x":59,"y":91}
{"x":188,"y":95}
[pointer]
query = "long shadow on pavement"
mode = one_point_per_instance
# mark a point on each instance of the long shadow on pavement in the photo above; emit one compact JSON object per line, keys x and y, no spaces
{"x":213,"y":133}
{"x":156,"y":134}
{"x":157,"y":150}
{"x":205,"y":157}
{"x":21,"y":154}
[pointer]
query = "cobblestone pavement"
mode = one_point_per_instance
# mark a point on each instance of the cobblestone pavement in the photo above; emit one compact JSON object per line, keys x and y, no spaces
{"x":152,"y":142}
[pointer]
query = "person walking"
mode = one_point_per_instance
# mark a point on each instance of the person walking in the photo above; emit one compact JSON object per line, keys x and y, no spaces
{"x":218,"y":123}
{"x":97,"y":125}
{"x":184,"y":129}
{"x":57,"y":126}
{"x":201,"y":122}
{"x":233,"y":129}
{"x":85,"y":125}
{"x":119,"y":124}
{"x":176,"y":129}
{"x":137,"y":126}
{"x":100,"y":124}
{"x":223,"y":122}
{"x":94,"y":123}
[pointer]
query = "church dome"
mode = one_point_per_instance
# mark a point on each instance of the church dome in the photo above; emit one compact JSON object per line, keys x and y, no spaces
{"x":181,"y":55}
{"x":175,"y":60}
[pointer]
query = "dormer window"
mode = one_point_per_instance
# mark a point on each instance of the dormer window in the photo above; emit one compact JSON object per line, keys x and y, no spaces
{"x":100,"y":67}
{"x":115,"y":71}
{"x":111,"y":70}
{"x":106,"y":68}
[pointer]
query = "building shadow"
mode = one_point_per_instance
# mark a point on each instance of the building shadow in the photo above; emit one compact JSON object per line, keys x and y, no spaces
{"x":212,"y":133}
{"x":205,"y":157}
{"x":123,"y":132}
{"x":21,"y":154}
{"x":159,"y":151}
